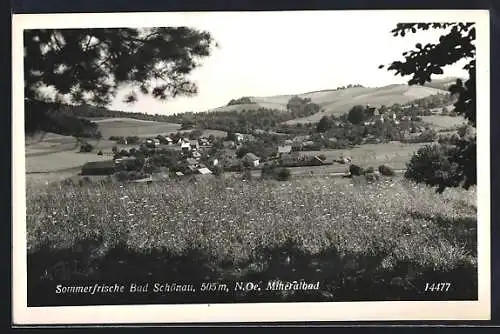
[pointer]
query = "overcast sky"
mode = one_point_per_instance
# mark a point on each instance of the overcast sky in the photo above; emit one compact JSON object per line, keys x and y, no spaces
{"x":262,"y":54}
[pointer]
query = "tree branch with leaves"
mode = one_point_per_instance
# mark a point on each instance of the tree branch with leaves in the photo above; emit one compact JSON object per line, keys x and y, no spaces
{"x":91,"y":65}
{"x":456,"y":44}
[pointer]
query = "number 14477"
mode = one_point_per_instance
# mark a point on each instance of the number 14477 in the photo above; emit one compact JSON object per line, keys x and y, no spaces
{"x":437,"y":287}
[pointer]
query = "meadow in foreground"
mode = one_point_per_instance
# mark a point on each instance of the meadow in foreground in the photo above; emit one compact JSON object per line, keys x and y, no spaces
{"x":361,"y":241}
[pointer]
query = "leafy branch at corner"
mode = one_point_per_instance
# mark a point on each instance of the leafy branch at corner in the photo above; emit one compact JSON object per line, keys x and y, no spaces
{"x":89,"y":66}
{"x":452,"y":164}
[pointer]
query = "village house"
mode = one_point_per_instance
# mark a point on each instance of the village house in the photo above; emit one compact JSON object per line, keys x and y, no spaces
{"x":370,"y":111}
{"x":251,"y":159}
{"x":229,"y":144}
{"x":249,"y":138}
{"x":204,"y":142}
{"x":194,"y":144}
{"x":204,"y":171}
{"x":152,"y":142}
{"x":239,"y":138}
{"x":300,"y":139}
{"x":169,"y":140}
{"x":284,"y":149}
{"x":308,"y":143}
{"x":196,"y":155}
{"x":185,"y":147}
{"x":316,"y":161}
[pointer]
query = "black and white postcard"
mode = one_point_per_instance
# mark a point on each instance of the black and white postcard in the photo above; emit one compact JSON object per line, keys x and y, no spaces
{"x":251,"y":166}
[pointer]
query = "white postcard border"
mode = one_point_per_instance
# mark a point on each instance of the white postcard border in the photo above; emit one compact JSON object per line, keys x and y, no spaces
{"x":262,"y":312}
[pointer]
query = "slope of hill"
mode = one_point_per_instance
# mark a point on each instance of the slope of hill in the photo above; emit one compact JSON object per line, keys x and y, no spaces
{"x":337,"y":102}
{"x":443,"y":83}
{"x":133,"y":127}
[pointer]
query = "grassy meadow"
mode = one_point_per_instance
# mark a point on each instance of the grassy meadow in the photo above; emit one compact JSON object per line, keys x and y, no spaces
{"x":362,"y":241}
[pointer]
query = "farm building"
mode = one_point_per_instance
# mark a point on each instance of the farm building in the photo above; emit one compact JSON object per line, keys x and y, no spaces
{"x":152,"y":143}
{"x":229,"y":144}
{"x":194,"y":144}
{"x":99,"y":168}
{"x":204,"y":142}
{"x":239,"y":137}
{"x":251,"y":159}
{"x":204,"y":171}
{"x":284,"y":149}
{"x":316,"y":161}
{"x":127,"y":163}
{"x":185,"y":147}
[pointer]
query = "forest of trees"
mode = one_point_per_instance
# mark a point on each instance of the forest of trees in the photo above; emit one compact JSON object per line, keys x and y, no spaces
{"x":59,"y":119}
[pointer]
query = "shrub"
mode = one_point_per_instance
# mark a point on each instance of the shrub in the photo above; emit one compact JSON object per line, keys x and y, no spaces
{"x":267,"y":171}
{"x":371,"y":177}
{"x":99,"y":153}
{"x":386,"y":170}
{"x":369,"y":170}
{"x":218,"y":170}
{"x":435,"y":165}
{"x":282,"y":174}
{"x":247,"y":174}
{"x":356,"y":170}
{"x":273,"y":172}
{"x":86,"y":147}
{"x":428,"y":136}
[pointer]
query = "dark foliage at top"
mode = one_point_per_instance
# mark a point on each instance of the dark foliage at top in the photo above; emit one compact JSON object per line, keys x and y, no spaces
{"x":59,"y":119}
{"x":88,"y":65}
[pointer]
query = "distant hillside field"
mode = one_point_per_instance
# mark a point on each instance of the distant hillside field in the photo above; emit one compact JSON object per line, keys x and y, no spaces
{"x":47,"y":153}
{"x":337,"y":102}
{"x":444,"y":122}
{"x":134,"y":127}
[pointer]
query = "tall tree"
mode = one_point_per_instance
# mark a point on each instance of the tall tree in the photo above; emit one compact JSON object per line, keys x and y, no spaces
{"x":323,"y":124}
{"x":456,"y":44}
{"x":90,"y":65}
{"x":356,"y":115}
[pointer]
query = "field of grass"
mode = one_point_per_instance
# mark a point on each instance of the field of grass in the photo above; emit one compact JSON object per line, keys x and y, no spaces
{"x":134,"y":127}
{"x":395,"y":154}
{"x":46,"y":153}
{"x":440,"y":122}
{"x":361,"y":241}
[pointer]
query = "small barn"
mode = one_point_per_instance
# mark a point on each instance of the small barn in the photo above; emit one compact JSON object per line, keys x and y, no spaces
{"x":251,"y":159}
{"x":204,"y":171}
{"x":285,"y":149}
{"x":194,"y":145}
{"x":99,"y":168}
